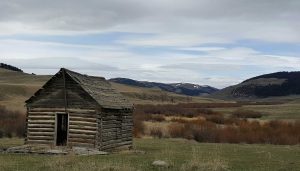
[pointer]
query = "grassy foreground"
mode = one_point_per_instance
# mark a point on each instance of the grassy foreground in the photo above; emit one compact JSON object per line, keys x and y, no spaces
{"x":181,"y":154}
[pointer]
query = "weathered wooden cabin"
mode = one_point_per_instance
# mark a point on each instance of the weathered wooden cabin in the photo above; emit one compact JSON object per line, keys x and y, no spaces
{"x":72,"y":109}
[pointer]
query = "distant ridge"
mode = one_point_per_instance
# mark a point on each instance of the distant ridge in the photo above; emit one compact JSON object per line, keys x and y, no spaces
{"x":268,"y":85}
{"x":10,"y":67}
{"x":179,"y":88}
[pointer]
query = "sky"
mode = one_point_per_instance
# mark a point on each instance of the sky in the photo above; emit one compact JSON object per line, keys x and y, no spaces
{"x":207,"y":42}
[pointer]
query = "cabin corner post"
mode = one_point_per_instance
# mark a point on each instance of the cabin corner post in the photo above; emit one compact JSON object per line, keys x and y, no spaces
{"x":26,"y":125}
{"x":98,"y":137}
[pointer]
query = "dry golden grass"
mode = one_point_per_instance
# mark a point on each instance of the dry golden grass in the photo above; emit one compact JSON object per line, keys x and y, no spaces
{"x":16,"y":87}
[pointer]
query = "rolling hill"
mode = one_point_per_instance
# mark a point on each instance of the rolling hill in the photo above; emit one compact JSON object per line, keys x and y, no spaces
{"x":277,"y":84}
{"x":178,"y":88}
{"x":16,"y":87}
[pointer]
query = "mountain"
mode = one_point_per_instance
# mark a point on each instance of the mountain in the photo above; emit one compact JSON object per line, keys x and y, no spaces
{"x":268,"y":85}
{"x":178,"y":88}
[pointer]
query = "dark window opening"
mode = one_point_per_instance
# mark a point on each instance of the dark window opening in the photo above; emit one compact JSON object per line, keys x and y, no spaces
{"x":61,"y":129}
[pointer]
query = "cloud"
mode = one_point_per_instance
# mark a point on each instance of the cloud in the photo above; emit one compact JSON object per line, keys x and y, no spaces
{"x":170,"y":41}
{"x":198,"y":21}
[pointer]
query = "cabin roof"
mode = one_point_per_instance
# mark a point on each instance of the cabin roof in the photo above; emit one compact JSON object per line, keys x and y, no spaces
{"x":99,"y":89}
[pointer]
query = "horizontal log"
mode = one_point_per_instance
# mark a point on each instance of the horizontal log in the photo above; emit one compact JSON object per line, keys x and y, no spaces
{"x":82,"y":127}
{"x":81,"y":140}
{"x":72,"y":135}
{"x":40,"y":133}
{"x":111,"y":122}
{"x":47,"y":109}
{"x":40,"y":137}
{"x":75,"y":110}
{"x":111,"y":126}
{"x":41,"y":129}
{"x":40,"y":117}
{"x":41,"y":121}
{"x":79,"y":131}
{"x":83,"y":115}
{"x":83,"y":123}
{"x":41,"y":113}
{"x":40,"y":125}
{"x":81,"y":111}
{"x":39,"y":142}
{"x":85,"y":119}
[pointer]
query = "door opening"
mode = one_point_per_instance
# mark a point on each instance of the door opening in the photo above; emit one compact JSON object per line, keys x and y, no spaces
{"x":61,"y":129}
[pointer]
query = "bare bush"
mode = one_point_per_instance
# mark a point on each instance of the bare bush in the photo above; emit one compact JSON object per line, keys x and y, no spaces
{"x":156,"y":132}
{"x":242,"y":113}
{"x":12,"y":123}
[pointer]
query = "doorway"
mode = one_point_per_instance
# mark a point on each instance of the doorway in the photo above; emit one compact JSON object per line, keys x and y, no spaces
{"x":62,"y":129}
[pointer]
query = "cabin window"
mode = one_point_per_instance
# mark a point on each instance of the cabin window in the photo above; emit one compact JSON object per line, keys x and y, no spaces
{"x":62,"y":122}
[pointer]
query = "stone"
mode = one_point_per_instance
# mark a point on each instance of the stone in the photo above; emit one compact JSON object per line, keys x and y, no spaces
{"x":160,"y":163}
{"x":87,"y":151}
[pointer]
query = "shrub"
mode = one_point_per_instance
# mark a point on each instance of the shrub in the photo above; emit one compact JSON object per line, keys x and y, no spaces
{"x":138,"y":125}
{"x":242,"y":113}
{"x":218,"y":119}
{"x":156,"y":132}
{"x":12,"y":123}
{"x":155,"y":118}
{"x":242,"y":131}
{"x":177,"y":130}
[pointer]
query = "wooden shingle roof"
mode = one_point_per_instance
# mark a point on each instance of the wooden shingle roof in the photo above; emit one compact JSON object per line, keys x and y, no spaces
{"x":100,"y":90}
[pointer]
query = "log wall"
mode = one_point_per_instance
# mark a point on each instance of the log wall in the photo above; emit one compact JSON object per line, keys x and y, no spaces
{"x":82,"y":131}
{"x":83,"y":128}
{"x":116,"y":129}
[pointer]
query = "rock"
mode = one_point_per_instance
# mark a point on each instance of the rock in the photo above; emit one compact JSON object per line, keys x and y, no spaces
{"x":160,"y":163}
{"x":87,"y":151}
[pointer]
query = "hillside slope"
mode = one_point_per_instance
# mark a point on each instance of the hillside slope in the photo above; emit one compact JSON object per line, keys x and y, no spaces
{"x":16,"y":87}
{"x":277,"y":84}
{"x":178,"y":88}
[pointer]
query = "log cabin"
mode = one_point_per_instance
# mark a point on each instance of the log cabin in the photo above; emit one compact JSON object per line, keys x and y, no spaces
{"x":75,"y":110}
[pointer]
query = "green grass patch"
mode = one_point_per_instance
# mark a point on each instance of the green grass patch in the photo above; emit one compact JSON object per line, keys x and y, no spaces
{"x":182,"y":155}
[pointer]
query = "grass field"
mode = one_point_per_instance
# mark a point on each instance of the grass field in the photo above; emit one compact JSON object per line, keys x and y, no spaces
{"x":285,"y":111}
{"x":182,"y":155}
